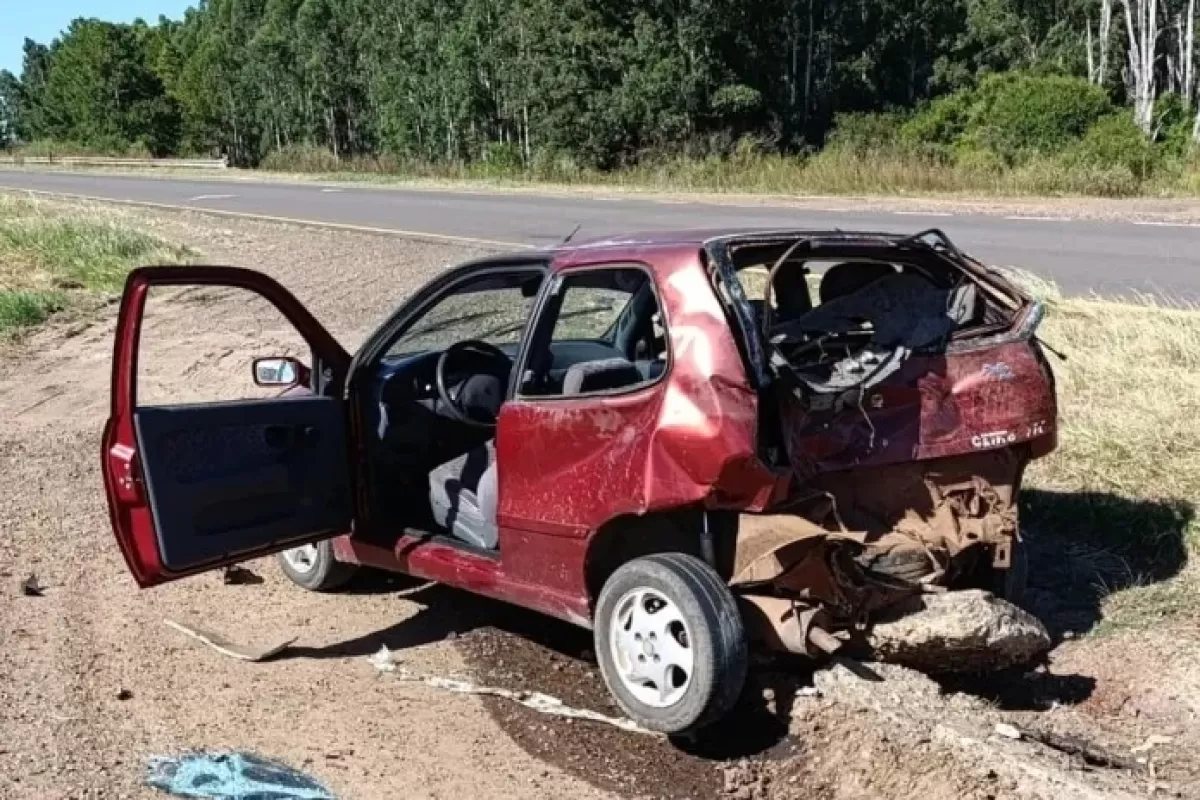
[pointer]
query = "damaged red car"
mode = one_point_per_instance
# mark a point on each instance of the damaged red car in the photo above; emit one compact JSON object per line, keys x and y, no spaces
{"x":691,"y":443}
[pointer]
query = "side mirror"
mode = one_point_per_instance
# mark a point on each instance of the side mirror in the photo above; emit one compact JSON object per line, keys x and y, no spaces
{"x":281,"y":372}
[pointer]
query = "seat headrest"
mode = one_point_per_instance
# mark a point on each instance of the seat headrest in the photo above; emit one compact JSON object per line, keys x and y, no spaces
{"x":597,"y":376}
{"x":850,"y":276}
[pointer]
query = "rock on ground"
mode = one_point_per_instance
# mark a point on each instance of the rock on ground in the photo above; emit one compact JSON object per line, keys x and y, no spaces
{"x":965,"y":631}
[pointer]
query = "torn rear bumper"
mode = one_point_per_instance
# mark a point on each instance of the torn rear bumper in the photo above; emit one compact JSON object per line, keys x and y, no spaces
{"x":862,"y":542}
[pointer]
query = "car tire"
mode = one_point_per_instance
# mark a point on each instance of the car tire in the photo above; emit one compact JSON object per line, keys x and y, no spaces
{"x":315,"y":568}
{"x":691,"y":676}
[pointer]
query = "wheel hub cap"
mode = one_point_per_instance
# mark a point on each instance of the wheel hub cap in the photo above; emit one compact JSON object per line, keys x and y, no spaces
{"x":650,"y":644}
{"x":301,"y":559}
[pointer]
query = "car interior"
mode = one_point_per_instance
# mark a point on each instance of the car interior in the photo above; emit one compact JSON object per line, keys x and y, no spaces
{"x":434,"y":396}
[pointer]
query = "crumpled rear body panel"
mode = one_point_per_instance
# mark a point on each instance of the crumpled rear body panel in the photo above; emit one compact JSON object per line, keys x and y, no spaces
{"x":934,"y":406}
{"x":573,"y":464}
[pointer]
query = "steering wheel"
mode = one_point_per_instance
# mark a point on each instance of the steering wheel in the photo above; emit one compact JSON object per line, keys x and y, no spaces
{"x":484,"y":370}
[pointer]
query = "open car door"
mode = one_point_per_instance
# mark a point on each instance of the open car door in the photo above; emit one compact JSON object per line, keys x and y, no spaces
{"x":196,"y":487}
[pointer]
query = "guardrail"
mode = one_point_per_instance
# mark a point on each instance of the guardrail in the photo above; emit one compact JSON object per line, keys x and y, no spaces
{"x":105,"y":161}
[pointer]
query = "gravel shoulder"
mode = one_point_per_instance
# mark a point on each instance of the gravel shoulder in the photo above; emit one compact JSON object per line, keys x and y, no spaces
{"x":92,"y":682}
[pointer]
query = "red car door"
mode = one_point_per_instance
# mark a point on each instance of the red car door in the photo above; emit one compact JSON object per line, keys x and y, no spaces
{"x":196,"y":487}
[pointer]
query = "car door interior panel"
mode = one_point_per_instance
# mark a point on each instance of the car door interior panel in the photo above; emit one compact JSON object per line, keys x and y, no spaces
{"x":230,"y":477}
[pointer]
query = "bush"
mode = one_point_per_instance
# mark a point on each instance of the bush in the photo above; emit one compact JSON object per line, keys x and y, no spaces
{"x":1017,"y":114}
{"x":1173,"y":119}
{"x":864,"y":133}
{"x":1010,"y":116}
{"x":735,"y":101}
{"x":1116,"y":141}
{"x":943,"y":122}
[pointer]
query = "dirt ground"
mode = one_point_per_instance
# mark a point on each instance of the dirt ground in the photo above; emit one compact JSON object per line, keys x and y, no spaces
{"x":92,"y":683}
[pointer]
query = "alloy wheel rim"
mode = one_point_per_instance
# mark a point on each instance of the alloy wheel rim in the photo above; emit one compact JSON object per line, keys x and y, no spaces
{"x":301,"y":559}
{"x":651,"y":647}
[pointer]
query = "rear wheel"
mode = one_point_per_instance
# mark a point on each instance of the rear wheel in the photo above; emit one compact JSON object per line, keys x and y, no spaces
{"x":670,"y":642}
{"x":313,"y":567}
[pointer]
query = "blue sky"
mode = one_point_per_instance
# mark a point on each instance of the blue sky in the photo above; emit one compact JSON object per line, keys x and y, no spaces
{"x":43,"y":20}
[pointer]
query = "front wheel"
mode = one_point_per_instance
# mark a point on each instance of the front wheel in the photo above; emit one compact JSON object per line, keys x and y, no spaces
{"x":313,"y":567}
{"x":670,"y":642}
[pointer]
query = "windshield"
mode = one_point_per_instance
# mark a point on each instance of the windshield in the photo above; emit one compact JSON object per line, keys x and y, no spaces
{"x":492,"y":309}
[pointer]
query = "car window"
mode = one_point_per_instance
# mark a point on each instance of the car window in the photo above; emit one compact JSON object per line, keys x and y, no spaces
{"x":606,"y":336}
{"x":588,"y":312}
{"x":492,"y":310}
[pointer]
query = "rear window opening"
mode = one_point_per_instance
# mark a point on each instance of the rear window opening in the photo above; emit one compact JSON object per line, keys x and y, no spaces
{"x":849,"y":319}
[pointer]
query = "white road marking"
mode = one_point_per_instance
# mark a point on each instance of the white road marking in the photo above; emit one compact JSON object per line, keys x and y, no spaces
{"x":330,"y":191}
{"x":211,"y":197}
{"x":923,"y":213}
{"x":1167,"y":224}
{"x":1032,"y":218}
{"x":312,"y":223}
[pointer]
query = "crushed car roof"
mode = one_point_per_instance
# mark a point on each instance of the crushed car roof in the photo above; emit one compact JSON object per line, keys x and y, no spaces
{"x":699,"y":236}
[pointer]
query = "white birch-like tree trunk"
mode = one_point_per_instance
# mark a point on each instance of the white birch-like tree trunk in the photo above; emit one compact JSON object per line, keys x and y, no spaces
{"x":1191,"y":91}
{"x":1097,"y":48}
{"x":1141,"y":24}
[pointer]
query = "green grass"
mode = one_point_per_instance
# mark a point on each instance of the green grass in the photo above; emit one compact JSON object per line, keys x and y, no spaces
{"x":50,"y":259}
{"x":833,"y":171}
{"x":22,"y":308}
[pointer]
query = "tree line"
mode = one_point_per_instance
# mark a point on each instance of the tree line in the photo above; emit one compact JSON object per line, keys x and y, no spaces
{"x":601,"y":83}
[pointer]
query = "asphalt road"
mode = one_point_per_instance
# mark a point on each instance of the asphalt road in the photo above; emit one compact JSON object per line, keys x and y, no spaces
{"x":1082,"y":256}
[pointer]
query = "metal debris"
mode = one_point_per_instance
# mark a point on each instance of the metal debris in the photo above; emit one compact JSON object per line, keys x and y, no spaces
{"x":229,"y":648}
{"x":385,"y":661}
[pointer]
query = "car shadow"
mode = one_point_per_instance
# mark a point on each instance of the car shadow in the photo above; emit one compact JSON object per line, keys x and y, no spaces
{"x":1081,"y":546}
{"x":1022,"y":690}
{"x":444,"y":613}
{"x":1085,"y":546}
{"x":555,"y":656}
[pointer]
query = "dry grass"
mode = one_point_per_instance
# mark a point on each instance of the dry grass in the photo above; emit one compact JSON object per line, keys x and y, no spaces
{"x":833,"y":171}
{"x":1120,"y":496}
{"x":48,"y":260}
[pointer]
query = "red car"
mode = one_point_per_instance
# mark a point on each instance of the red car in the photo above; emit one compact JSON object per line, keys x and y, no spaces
{"x":687,"y":442}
